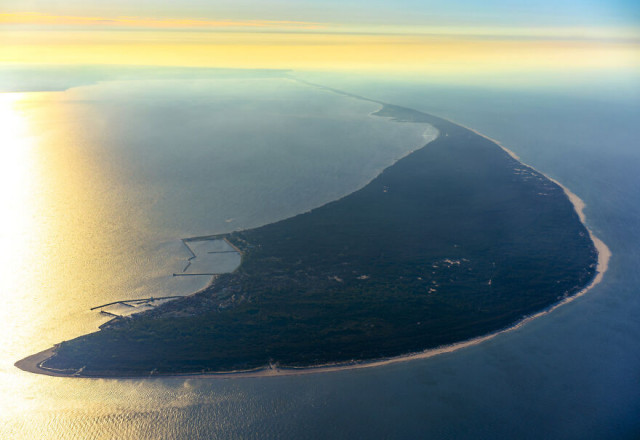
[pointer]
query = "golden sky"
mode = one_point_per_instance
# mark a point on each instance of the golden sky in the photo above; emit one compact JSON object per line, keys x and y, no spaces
{"x":32,"y":37}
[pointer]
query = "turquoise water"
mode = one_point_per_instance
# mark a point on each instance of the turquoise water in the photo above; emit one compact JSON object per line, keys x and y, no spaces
{"x":574,"y":373}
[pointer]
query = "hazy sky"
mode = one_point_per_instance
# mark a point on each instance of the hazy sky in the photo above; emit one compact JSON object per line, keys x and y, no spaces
{"x":453,"y":37}
{"x":396,"y":12}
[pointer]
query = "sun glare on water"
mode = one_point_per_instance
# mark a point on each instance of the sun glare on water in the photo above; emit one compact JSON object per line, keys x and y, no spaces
{"x":49,"y":260}
{"x":18,"y":229}
{"x":16,"y":149}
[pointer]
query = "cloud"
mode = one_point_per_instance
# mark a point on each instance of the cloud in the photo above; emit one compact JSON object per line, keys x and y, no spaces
{"x":40,"y":19}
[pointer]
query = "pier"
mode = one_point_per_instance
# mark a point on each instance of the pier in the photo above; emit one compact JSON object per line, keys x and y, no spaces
{"x":128,"y":302}
{"x":193,"y":255}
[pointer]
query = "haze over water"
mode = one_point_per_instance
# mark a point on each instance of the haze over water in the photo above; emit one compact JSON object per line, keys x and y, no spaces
{"x":103,"y":181}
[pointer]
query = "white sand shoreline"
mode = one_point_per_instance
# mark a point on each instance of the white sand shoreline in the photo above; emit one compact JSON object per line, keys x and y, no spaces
{"x":33,"y":363}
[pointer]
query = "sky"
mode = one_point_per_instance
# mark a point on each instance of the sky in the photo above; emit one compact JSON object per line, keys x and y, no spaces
{"x":400,"y":12}
{"x":422,"y":36}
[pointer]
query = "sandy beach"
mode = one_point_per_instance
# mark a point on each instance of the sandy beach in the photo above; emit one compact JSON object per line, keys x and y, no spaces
{"x":33,"y":363}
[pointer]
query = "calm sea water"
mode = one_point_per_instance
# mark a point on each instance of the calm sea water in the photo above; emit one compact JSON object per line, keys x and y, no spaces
{"x":158,"y":161}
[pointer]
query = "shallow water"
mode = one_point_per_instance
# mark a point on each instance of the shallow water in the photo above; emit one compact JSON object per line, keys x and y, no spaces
{"x":571,"y":374}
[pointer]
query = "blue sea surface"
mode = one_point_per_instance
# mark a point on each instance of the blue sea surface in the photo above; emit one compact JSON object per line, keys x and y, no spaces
{"x":571,"y":374}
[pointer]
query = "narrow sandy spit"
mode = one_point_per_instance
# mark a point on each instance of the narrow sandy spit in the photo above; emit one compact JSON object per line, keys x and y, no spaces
{"x":33,"y":363}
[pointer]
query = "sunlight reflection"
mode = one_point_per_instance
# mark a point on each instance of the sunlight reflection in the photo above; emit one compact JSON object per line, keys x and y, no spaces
{"x":17,"y":229}
{"x":16,"y":150}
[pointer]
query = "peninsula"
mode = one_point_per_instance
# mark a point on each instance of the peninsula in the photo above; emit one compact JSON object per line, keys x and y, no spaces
{"x":452,"y":242}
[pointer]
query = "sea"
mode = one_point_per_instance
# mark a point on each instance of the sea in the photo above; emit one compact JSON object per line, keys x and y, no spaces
{"x":102,"y":178}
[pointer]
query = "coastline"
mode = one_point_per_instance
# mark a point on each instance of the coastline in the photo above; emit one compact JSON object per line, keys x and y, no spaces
{"x":33,"y":363}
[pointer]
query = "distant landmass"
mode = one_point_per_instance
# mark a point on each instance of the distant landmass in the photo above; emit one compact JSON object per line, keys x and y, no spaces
{"x":456,"y":240}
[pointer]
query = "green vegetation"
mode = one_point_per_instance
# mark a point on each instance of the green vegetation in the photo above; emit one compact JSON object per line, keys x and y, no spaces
{"x":456,"y":240}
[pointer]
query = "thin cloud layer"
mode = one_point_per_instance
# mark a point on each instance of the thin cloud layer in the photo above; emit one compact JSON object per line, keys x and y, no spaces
{"x":40,"y":19}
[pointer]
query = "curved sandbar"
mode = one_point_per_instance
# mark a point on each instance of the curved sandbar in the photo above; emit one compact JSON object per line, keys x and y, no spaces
{"x":455,"y":241}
